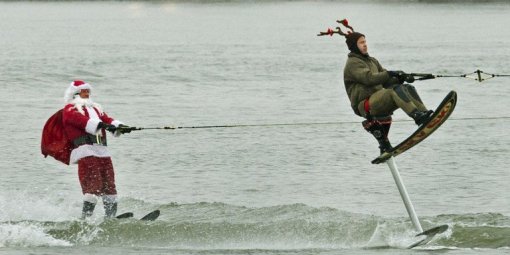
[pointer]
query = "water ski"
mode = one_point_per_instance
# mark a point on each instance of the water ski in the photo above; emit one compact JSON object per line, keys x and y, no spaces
{"x":429,"y":234}
{"x":150,"y":216}
{"x":441,"y":114}
{"x":125,"y":215}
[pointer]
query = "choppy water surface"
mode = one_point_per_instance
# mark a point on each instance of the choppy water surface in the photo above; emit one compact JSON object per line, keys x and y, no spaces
{"x":261,"y":189}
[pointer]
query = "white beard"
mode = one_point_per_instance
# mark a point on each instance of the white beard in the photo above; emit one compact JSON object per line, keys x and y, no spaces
{"x":79,"y":103}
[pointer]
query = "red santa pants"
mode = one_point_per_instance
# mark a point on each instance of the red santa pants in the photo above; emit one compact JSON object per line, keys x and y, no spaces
{"x":96,"y":176}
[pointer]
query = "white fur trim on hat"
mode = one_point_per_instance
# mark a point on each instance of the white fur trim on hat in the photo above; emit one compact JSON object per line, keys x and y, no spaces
{"x":74,"y":88}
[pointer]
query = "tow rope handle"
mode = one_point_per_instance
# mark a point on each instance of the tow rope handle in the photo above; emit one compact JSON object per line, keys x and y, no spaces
{"x":477,"y":75}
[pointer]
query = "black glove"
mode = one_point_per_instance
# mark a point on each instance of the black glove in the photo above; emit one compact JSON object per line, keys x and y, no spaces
{"x":395,"y":74}
{"x":108,"y":127}
{"x":401,"y":76}
{"x":124,"y":129}
{"x":409,"y":78}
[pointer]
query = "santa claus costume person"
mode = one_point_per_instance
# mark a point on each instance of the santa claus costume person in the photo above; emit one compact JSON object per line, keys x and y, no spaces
{"x":85,"y":123}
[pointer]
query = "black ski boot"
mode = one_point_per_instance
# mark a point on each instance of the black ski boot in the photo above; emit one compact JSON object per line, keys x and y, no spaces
{"x":88,"y":209}
{"x":421,"y":117}
{"x":384,"y":146}
{"x":110,"y":209}
{"x":379,"y":128}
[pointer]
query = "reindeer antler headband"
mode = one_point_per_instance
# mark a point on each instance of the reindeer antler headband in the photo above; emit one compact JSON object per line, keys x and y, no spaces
{"x":338,"y":30}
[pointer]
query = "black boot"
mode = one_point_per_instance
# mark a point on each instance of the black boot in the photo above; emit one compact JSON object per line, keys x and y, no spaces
{"x":384,"y":146}
{"x":88,"y":209}
{"x":379,"y":128}
{"x":110,"y":209}
{"x":421,"y":117}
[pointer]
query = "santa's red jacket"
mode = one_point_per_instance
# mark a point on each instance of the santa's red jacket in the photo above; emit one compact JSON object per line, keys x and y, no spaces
{"x":79,"y":124}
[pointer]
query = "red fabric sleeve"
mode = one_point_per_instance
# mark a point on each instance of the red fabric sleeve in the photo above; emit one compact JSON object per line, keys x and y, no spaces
{"x":105,"y":118}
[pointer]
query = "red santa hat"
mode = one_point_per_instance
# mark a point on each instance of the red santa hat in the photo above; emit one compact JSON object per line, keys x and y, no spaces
{"x":74,"y":88}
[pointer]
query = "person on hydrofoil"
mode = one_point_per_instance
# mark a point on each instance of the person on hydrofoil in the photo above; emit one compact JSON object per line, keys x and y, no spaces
{"x":85,"y":123}
{"x":376,"y":93}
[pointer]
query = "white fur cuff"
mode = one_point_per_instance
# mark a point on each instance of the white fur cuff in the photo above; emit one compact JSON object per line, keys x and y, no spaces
{"x":89,"y":198}
{"x":109,"y":199}
{"x":116,"y":123}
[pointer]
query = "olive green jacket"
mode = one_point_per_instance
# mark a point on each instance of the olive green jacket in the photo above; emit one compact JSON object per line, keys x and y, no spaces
{"x":363,"y":75}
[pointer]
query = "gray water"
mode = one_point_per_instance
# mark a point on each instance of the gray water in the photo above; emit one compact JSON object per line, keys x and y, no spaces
{"x":303,"y":188}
